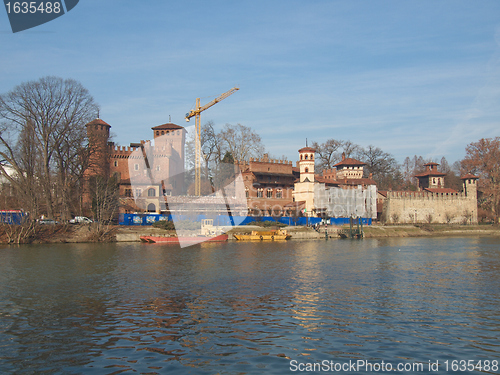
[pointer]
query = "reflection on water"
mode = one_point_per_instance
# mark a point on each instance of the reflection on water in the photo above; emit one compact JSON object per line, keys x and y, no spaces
{"x":246,"y":307}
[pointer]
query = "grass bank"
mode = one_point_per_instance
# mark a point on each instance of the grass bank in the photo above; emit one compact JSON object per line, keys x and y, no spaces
{"x":426,"y":230}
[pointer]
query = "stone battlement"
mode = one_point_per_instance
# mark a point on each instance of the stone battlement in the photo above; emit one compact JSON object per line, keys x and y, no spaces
{"x":423,"y":195}
{"x":266,"y":160}
{"x":122,"y":149}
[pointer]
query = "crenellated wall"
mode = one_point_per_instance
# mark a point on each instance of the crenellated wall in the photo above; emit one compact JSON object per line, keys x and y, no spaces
{"x":426,"y":207}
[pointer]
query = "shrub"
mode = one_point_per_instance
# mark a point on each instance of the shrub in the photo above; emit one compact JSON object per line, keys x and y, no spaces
{"x":164,"y":224}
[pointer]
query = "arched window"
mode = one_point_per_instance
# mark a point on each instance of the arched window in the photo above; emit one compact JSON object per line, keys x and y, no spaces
{"x":168,"y":132}
{"x":260,"y":193}
{"x":162,"y":132}
{"x":300,"y":156}
{"x":151,"y":207}
{"x":305,"y":157}
{"x":157,"y":132}
{"x":151,"y":192}
{"x":269,"y":193}
{"x":312,"y":156}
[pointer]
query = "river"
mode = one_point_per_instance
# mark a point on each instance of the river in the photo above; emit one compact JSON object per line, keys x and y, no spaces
{"x":251,"y":308}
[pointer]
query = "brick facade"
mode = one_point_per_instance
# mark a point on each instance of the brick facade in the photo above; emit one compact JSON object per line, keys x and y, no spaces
{"x":147,"y":171}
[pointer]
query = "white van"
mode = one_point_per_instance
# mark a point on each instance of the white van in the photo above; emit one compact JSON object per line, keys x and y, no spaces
{"x":80,"y":219}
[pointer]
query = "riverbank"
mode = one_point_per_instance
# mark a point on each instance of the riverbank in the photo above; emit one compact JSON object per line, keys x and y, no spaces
{"x":85,"y":233}
{"x":132,"y":234}
{"x":427,"y":230}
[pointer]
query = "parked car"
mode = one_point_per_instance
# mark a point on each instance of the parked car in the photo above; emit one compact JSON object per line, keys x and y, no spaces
{"x":80,"y":220}
{"x":47,"y":221}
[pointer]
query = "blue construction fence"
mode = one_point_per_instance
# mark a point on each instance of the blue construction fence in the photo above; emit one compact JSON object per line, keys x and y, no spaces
{"x":14,"y":217}
{"x":225,"y":220}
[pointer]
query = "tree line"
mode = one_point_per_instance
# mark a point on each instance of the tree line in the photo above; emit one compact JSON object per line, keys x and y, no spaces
{"x":44,"y":147}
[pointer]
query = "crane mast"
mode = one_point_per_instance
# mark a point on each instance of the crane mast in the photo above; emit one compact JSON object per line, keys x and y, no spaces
{"x":196,"y":114}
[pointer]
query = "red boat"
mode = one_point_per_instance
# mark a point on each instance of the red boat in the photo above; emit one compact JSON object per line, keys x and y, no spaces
{"x":177,"y":240}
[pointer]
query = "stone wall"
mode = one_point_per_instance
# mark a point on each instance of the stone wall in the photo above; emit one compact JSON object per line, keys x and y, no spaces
{"x":426,"y":207}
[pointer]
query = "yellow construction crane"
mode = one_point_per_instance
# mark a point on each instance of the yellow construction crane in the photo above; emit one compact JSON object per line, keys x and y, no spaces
{"x":196,"y":114}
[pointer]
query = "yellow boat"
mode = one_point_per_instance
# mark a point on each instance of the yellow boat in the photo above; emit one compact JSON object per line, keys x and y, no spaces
{"x":273,"y":235}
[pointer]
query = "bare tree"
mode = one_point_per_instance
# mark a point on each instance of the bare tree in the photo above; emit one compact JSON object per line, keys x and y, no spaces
{"x":42,"y":132}
{"x":240,"y":141}
{"x":330,"y":152}
{"x":483,"y":159}
{"x":105,"y":203}
{"x":383,"y":167}
{"x":327,"y":153}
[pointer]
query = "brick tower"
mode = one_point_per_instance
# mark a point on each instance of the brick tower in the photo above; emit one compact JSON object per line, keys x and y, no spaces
{"x":98,"y":162}
{"x":98,"y":135}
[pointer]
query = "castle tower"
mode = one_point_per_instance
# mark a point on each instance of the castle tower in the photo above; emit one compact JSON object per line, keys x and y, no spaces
{"x":349,"y":168}
{"x":470,"y":185}
{"x":470,"y":190}
{"x":169,"y":140}
{"x":98,"y":135}
{"x":431,"y":178}
{"x":303,"y":192}
{"x":98,"y":163}
{"x":172,"y":134}
{"x":306,"y":164}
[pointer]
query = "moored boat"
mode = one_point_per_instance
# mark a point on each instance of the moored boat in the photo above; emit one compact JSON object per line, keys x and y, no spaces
{"x":273,"y":235}
{"x":177,"y":240}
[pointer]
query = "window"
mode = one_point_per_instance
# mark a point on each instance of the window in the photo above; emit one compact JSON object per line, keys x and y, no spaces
{"x":128,"y":192}
{"x":269,"y":193}
{"x":138,"y":192}
{"x":151,"y":192}
{"x":307,"y":170}
{"x":151,"y":207}
{"x":168,"y":132}
{"x":116,"y":163}
{"x":162,"y":132}
{"x":157,"y":132}
{"x":136,"y":167}
{"x":247,"y":193}
{"x":260,"y":193}
{"x":305,"y":157}
{"x":279,"y":193}
{"x":157,"y":167}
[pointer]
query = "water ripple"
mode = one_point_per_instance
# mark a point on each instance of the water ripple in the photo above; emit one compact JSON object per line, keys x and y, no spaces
{"x":245,"y":307}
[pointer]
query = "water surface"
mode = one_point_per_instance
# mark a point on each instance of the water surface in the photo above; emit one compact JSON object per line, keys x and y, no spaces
{"x":247,"y":307}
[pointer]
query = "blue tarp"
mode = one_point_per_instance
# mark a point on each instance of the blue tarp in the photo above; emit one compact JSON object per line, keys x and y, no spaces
{"x":13,"y":217}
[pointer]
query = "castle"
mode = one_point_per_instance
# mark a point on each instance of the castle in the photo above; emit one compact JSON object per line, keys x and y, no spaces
{"x":151,"y":172}
{"x":146,"y":171}
{"x":432,"y":203}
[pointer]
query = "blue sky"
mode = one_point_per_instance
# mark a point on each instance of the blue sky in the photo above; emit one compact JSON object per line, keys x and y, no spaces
{"x":419,"y":77}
